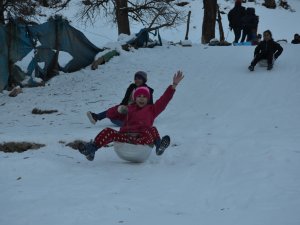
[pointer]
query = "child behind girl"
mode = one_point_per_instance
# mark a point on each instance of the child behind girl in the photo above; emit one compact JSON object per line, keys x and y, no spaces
{"x":140,"y":79}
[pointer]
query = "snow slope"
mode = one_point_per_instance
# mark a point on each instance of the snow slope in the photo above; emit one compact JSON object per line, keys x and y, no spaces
{"x":234,"y":157}
{"x":283,"y":23}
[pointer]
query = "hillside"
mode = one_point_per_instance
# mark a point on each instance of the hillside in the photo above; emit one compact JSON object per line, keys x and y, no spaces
{"x":234,"y":156}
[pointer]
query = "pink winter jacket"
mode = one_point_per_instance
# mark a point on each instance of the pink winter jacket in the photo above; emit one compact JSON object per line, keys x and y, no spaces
{"x":137,"y":119}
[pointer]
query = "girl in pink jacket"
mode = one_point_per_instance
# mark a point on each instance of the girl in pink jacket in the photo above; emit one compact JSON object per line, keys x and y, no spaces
{"x":138,"y":119}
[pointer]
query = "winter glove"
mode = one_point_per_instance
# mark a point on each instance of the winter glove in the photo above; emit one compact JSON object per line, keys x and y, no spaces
{"x":122,"y":109}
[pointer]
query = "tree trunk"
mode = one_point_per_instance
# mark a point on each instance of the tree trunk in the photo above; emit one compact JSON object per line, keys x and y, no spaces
{"x":122,"y":17}
{"x":1,"y":12}
{"x":209,"y":20}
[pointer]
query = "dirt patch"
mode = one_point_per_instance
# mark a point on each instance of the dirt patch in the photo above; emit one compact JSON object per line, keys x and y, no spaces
{"x":75,"y":144}
{"x":40,"y":111}
{"x":19,"y":146}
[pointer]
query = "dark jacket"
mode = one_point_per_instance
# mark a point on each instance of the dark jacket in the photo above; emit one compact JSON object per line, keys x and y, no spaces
{"x":250,"y":20}
{"x":295,"y":41}
{"x":268,"y":47}
{"x":235,"y":16}
{"x":128,"y":98}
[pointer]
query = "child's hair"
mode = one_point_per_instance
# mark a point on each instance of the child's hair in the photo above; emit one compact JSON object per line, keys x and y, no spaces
{"x":269,"y":32}
{"x":142,"y":75}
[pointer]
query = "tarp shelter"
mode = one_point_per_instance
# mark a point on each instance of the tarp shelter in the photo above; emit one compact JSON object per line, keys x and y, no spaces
{"x":143,"y":40}
{"x":47,"y":40}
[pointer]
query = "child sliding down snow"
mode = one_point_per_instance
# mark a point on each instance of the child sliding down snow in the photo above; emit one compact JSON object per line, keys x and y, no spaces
{"x":140,"y":80}
{"x":138,"y":119}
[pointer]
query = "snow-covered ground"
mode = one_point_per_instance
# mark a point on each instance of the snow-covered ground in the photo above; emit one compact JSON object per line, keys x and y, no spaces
{"x":234,"y":156}
{"x":283,"y":23}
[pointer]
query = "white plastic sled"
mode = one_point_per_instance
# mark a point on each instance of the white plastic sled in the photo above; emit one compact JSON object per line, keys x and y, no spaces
{"x":263,"y":63}
{"x":132,"y":153}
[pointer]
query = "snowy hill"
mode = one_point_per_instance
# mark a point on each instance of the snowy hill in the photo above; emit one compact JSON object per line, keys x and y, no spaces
{"x":234,"y":156}
{"x":283,"y":23}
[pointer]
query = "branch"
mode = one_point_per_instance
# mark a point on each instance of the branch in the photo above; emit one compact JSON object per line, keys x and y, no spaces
{"x":160,"y":12}
{"x":163,"y":25}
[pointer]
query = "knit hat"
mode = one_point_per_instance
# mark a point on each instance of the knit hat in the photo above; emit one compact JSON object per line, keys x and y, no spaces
{"x":142,"y":75}
{"x":141,"y":91}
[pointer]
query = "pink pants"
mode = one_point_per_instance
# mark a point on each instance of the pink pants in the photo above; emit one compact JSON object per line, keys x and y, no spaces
{"x":107,"y":135}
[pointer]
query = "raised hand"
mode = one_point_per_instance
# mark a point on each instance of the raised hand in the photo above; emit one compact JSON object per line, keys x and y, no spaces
{"x":178,"y":76}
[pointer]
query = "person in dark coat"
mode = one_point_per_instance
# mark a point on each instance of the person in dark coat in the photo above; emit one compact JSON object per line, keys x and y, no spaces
{"x":140,"y":79}
{"x":266,"y":49}
{"x":235,"y":16}
{"x":296,"y":39}
{"x":249,"y":24}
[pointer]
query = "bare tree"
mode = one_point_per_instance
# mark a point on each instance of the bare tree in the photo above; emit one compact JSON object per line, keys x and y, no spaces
{"x":209,"y":20}
{"x":121,"y":10}
{"x":27,"y":10}
{"x":150,"y":13}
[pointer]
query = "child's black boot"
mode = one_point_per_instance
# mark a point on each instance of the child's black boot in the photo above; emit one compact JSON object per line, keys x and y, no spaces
{"x":251,"y":68}
{"x":162,"y":145}
{"x":270,"y":66}
{"x":88,"y":149}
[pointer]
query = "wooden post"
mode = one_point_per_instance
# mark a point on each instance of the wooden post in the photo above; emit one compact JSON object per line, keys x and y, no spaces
{"x":219,"y":19}
{"x":188,"y":26}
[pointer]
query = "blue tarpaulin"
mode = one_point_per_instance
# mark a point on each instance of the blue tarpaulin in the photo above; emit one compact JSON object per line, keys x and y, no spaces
{"x":17,"y":40}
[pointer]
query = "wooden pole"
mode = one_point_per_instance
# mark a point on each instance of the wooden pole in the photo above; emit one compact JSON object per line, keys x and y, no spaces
{"x":222,"y":38}
{"x":188,"y":26}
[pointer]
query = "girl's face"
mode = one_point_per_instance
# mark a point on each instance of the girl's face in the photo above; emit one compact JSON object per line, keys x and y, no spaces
{"x":267,"y":36}
{"x":138,"y":81}
{"x":141,"y":101}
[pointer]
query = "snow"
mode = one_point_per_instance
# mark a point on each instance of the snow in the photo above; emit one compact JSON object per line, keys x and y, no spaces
{"x":234,"y":154}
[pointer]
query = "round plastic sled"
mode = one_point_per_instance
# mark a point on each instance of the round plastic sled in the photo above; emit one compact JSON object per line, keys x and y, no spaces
{"x":264,"y":63}
{"x":132,"y":153}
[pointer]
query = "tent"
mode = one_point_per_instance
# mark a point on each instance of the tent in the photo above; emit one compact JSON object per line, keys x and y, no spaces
{"x":47,"y":40}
